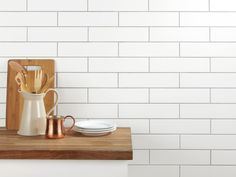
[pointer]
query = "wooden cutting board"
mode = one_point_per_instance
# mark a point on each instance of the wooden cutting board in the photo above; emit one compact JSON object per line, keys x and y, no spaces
{"x":15,"y":101}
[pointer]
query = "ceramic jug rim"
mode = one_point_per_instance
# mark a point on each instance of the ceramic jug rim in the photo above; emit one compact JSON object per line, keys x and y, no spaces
{"x":28,"y":93}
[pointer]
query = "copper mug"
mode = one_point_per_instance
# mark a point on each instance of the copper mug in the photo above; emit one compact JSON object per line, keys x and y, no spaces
{"x":55,"y":126}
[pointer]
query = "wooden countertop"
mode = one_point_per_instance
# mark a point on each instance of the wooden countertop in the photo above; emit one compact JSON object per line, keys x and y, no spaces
{"x":116,"y":146}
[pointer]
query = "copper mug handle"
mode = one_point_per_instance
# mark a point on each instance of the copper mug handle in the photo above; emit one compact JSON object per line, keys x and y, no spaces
{"x":71,"y":117}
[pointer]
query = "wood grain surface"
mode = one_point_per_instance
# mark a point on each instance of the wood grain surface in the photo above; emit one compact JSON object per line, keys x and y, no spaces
{"x":116,"y":146}
{"x":15,"y":101}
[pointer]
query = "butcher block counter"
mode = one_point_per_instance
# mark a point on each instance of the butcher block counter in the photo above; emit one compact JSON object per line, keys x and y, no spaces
{"x":75,"y":155}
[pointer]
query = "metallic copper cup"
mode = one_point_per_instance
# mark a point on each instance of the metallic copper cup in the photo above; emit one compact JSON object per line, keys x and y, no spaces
{"x":55,"y":126}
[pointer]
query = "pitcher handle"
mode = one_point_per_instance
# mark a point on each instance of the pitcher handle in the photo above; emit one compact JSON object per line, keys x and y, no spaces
{"x":56,"y":102}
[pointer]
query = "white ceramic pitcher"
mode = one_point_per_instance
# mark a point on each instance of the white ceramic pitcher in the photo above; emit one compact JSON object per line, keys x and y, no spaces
{"x":33,"y":118}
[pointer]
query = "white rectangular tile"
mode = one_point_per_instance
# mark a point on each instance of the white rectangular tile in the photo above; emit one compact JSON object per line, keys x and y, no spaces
{"x":71,"y":64}
{"x":208,"y":171}
{"x":3,"y":95}
{"x":149,"y":49}
{"x":223,"y":126}
{"x":223,"y":5}
{"x":148,"y":80}
{"x":12,"y":34}
{"x":207,"y":111}
{"x":180,"y":126}
{"x":12,"y":5}
{"x":208,"y":49}
{"x":179,"y":95}
{"x":148,"y":19}
{"x":57,"y":34}
{"x":140,"y":157}
{"x":153,"y":171}
{"x":87,"y":49}
{"x":137,"y":125}
{"x":2,"y":122}
{"x":149,"y":110}
{"x":208,"y":141}
{"x":3,"y":79}
{"x":178,"y":5}
{"x":118,"y":95}
{"x":57,"y":5}
{"x":223,"y":34}
{"x":118,"y":5}
{"x":72,"y":95}
{"x":155,"y":141}
{"x":3,"y":64}
{"x":180,"y":157}
{"x":118,"y":64}
{"x":2,"y":110}
{"x":179,"y":65}
{"x":208,"y":80}
{"x":28,"y":19}
{"x":223,"y":95}
{"x":179,"y":34}
{"x":207,"y":19}
{"x":118,"y":34}
{"x":88,"y":19}
{"x":223,"y":157}
{"x":223,"y":64}
{"x":88,"y":110}
{"x":87,"y":80}
{"x":28,"y":49}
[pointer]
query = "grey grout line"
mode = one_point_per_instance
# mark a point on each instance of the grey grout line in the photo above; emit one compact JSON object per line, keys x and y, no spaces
{"x":87,"y":5}
{"x":57,"y":19}
{"x":210,"y":157}
{"x":179,"y":170}
{"x":131,"y":57}
{"x":154,"y":72}
{"x":155,"y":88}
{"x":149,"y":156}
{"x":26,"y":4}
{"x":118,"y":19}
{"x":187,"y":165}
{"x":121,"y":26}
{"x":125,"y":11}
{"x":137,"y":42}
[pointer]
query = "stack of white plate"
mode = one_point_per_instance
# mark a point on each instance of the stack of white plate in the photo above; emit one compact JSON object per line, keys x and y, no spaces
{"x":94,"y":127}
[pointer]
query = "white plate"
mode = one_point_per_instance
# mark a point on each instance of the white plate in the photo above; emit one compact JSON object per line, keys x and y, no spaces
{"x":93,"y":131}
{"x":94,"y":124}
{"x":96,"y":134}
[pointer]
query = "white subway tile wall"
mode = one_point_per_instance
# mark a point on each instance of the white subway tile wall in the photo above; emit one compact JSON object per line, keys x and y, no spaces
{"x":165,"y":68}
